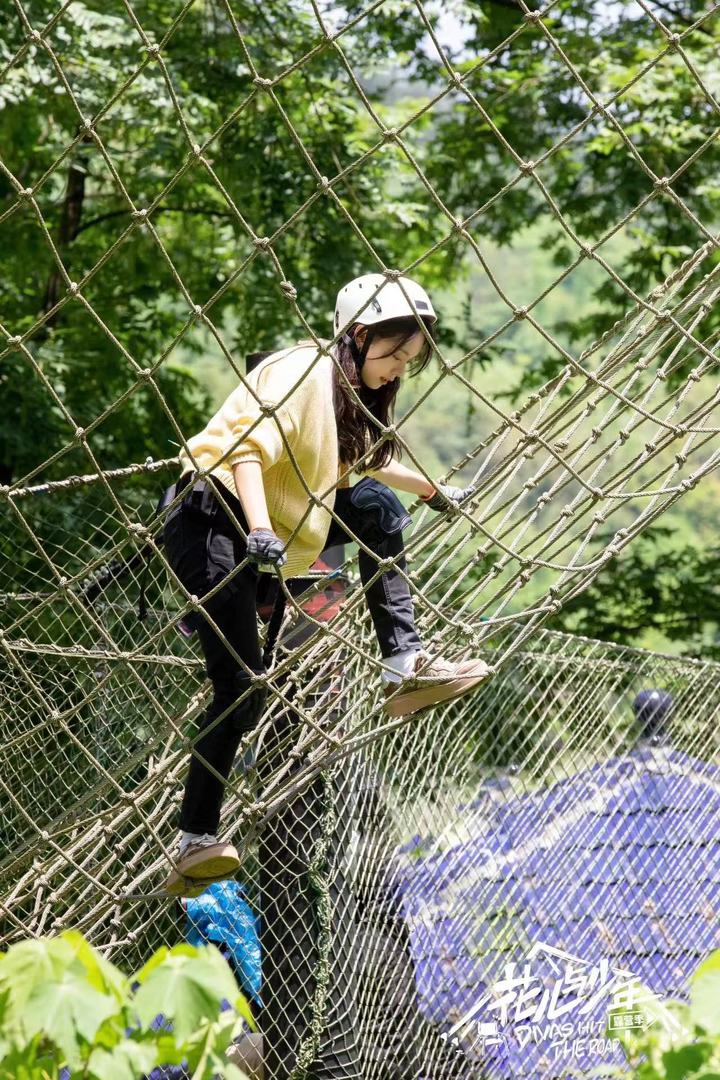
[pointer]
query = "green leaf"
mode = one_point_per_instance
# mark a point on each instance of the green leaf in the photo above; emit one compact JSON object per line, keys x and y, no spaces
{"x":678,"y":1063}
{"x":705,"y":995}
{"x":27,"y":964}
{"x":208,"y":1059}
{"x":187,"y":985}
{"x":126,"y":1061}
{"x":67,"y":1011}
{"x":242,"y":1006}
{"x":101,"y":973}
{"x":155,"y":960}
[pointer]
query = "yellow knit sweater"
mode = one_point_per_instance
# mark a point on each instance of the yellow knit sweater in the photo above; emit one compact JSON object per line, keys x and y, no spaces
{"x":295,"y":441}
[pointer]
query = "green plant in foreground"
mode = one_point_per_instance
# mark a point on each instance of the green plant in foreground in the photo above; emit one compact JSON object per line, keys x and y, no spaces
{"x":63,"y":1005}
{"x":680,"y":1041}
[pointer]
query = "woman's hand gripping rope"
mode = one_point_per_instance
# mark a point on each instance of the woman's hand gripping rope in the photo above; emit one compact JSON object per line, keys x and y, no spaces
{"x":265,"y":550}
{"x":446,"y":497}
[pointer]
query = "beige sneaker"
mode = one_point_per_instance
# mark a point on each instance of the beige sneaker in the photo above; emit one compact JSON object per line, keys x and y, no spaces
{"x":204,"y":860}
{"x":433,"y":681}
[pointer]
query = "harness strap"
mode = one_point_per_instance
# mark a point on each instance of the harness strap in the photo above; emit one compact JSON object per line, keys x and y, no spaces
{"x":276,"y":618}
{"x":165,"y":499}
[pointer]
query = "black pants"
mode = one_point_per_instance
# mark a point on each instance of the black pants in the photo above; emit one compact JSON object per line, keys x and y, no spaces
{"x":202,"y":545}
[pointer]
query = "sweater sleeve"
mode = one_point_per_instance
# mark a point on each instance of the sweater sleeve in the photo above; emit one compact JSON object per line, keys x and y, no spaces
{"x":255,"y":428}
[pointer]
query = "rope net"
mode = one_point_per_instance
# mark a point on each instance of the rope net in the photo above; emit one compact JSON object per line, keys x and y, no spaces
{"x":348,"y":808}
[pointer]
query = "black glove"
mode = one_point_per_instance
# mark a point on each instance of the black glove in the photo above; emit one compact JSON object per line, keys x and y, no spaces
{"x":264,"y":548}
{"x":446,"y":493}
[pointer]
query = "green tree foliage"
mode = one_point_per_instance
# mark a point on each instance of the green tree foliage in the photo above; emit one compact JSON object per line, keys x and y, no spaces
{"x":146,"y":276}
{"x":534,"y":101}
{"x":656,"y":594}
{"x":63,"y":1005}
{"x":681,"y":1041}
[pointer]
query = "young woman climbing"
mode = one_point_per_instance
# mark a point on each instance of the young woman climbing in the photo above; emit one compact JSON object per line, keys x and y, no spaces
{"x":271,"y":459}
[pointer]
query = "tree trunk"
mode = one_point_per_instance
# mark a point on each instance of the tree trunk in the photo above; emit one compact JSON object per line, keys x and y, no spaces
{"x":70,"y":216}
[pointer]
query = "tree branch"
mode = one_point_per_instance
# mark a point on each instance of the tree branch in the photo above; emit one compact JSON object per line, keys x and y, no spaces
{"x":70,"y":215}
{"x":681,"y":17}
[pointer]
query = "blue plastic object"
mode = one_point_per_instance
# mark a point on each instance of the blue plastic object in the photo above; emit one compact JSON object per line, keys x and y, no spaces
{"x":222,"y":915}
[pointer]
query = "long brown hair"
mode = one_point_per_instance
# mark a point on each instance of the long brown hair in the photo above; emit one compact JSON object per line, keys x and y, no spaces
{"x":356,"y":431}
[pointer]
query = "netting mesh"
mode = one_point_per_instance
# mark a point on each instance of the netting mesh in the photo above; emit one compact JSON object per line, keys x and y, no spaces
{"x":351,"y":814}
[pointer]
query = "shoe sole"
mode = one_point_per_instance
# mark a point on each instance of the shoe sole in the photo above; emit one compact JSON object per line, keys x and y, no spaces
{"x":425,"y":697}
{"x":216,"y":863}
{"x":177,"y":886}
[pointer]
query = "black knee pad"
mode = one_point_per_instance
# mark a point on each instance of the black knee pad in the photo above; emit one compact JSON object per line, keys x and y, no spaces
{"x":380,"y":501}
{"x":245,"y":716}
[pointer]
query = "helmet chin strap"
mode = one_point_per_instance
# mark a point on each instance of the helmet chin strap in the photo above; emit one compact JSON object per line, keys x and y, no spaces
{"x":358,"y":355}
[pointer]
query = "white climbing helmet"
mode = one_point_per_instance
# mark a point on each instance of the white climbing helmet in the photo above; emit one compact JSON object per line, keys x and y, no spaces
{"x":371,"y":298}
